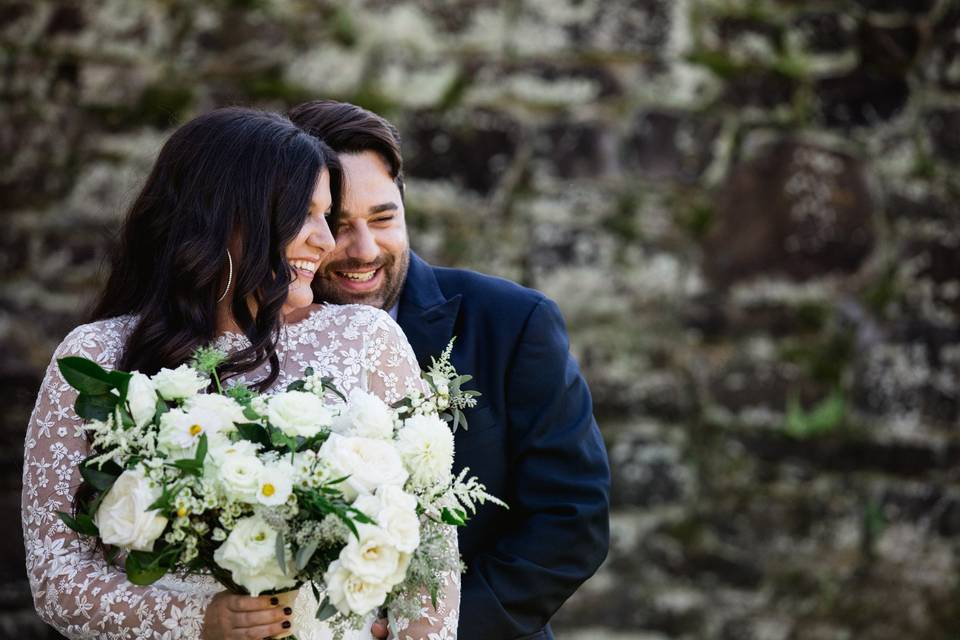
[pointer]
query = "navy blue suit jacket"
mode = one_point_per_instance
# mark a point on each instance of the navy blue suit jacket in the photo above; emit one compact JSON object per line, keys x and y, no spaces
{"x":532,"y":440}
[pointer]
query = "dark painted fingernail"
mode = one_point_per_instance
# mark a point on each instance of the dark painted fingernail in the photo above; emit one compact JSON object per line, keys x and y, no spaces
{"x":274,"y":600}
{"x":287,"y":611}
{"x":286,"y":624}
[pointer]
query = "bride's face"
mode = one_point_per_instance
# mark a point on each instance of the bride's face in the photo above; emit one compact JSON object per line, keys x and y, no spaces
{"x":310,"y":245}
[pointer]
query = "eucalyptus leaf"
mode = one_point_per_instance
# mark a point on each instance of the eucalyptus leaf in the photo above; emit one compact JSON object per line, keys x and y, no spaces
{"x":304,"y":554}
{"x":282,"y":554}
{"x":326,"y":609}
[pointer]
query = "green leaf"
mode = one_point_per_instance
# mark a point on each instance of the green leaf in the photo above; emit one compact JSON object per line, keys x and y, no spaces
{"x":308,"y":372}
{"x":326,"y":610}
{"x":82,"y":524}
{"x":455,"y":517}
{"x":95,"y":407}
{"x":143,"y":568}
{"x":120,"y":381}
{"x":280,"y":439}
{"x":254,"y":433}
{"x":304,"y":554}
{"x":165,"y":501}
{"x":162,"y":408}
{"x":434,"y":587}
{"x":188,"y":466}
{"x":296,"y":385}
{"x":201,"y":450}
{"x":101,"y":479}
{"x":86,"y":376}
{"x":328,"y":385}
{"x":823,"y":417}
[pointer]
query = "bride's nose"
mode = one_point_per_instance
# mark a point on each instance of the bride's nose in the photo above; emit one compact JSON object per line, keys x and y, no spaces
{"x":321,"y":236}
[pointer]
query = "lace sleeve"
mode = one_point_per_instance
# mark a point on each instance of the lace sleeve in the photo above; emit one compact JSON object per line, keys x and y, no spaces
{"x":391,"y":372}
{"x":74,"y":589}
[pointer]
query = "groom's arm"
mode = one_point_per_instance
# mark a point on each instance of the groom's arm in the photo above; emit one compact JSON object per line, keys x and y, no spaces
{"x":559,"y":501}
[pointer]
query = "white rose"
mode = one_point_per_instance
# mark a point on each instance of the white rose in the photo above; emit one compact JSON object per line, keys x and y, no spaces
{"x":426,"y":446}
{"x":397,"y":517}
{"x":123,"y":519}
{"x":371,"y":557}
{"x":142,"y":398}
{"x":249,"y":554}
{"x":180,"y":431}
{"x":365,"y":415}
{"x":350,"y":593}
{"x":180,"y":383}
{"x":222,"y":449}
{"x":224,"y":410}
{"x":298,"y":413}
{"x":275,"y":484}
{"x":369,"y":463}
{"x":239,"y":477}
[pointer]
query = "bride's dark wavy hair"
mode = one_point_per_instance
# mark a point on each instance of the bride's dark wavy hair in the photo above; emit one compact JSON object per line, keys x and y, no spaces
{"x":231,"y":175}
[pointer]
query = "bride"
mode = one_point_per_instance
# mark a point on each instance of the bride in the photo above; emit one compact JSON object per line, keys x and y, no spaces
{"x":220,"y":246}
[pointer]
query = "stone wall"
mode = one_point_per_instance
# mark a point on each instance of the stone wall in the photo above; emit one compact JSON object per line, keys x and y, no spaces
{"x":747,"y":210}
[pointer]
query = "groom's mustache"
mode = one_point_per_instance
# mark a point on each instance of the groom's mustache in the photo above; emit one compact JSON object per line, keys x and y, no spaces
{"x":357,"y":265}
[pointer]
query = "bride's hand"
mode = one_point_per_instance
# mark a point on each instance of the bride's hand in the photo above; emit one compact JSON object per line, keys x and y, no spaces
{"x":379,"y":629}
{"x":234,"y":617}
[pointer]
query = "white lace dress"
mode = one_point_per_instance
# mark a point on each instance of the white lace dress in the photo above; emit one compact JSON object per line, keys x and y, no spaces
{"x":76,"y":591}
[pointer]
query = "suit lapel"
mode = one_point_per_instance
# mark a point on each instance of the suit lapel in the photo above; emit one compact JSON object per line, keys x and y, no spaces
{"x":425,"y":315}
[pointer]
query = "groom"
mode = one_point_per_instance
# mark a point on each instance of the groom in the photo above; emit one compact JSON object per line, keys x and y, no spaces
{"x":532,"y":439}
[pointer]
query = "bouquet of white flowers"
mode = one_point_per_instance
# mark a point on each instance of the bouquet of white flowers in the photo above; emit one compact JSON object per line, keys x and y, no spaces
{"x":270,"y":492}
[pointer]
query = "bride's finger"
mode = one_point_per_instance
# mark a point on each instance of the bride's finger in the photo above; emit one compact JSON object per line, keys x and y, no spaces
{"x":249,"y":619}
{"x":262,"y":631}
{"x":249,"y":603}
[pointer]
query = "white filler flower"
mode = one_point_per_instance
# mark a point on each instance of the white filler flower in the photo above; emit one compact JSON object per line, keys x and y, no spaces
{"x":180,"y":383}
{"x":180,"y":431}
{"x":275,"y":484}
{"x":142,"y":398}
{"x":369,"y":463}
{"x":123,"y":519}
{"x":298,"y":413}
{"x":224,"y":412}
{"x":249,"y":554}
{"x":366,"y":416}
{"x":426,"y":446}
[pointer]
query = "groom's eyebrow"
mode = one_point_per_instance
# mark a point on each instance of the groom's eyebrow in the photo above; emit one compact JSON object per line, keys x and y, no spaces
{"x":380,"y":208}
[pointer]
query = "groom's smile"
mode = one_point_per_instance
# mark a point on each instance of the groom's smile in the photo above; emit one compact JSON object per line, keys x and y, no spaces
{"x":369,"y":263}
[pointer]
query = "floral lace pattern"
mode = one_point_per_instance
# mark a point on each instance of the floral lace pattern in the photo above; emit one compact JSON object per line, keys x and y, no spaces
{"x":74,"y":589}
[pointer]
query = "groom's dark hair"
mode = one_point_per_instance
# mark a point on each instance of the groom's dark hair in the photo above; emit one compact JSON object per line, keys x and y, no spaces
{"x":347,"y":128}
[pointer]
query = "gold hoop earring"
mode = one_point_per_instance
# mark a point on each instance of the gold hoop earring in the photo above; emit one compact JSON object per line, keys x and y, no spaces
{"x":229,"y":277}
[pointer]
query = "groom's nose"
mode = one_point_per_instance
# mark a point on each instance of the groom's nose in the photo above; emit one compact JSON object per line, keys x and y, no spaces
{"x":362,"y":245}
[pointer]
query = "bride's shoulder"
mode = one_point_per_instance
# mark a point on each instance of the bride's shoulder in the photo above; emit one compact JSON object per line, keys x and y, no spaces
{"x":101,"y":340}
{"x":350,"y":316}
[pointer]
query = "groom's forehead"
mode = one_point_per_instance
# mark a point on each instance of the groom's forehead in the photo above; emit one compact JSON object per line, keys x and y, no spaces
{"x":367,"y":186}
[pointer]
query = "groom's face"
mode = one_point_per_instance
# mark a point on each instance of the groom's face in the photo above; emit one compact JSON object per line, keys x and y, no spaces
{"x":369,"y":263}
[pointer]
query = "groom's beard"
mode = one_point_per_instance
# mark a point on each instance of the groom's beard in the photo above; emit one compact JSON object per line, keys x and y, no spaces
{"x":328,"y":286}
